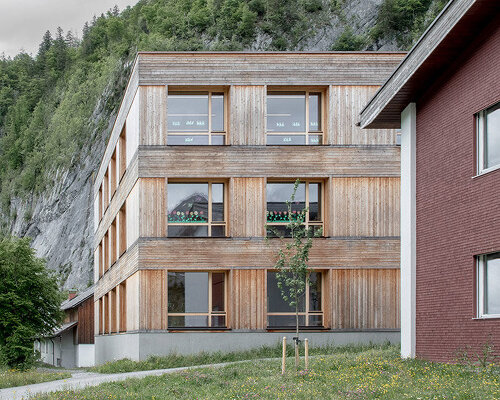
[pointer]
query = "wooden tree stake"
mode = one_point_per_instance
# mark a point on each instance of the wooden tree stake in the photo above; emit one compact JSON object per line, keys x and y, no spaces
{"x":283,"y":361}
{"x":297,"y":360}
{"x":306,"y":352}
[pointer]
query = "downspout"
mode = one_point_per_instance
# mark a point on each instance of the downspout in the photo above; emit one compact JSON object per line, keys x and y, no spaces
{"x":53,"y":353}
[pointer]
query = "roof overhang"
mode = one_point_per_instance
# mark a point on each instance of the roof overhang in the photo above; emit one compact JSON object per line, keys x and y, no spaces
{"x":441,"y":43}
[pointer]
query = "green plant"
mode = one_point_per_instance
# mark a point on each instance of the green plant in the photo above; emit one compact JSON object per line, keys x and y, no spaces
{"x":349,"y":41}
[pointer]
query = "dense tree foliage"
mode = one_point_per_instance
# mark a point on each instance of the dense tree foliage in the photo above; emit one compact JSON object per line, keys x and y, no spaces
{"x":29,"y":301}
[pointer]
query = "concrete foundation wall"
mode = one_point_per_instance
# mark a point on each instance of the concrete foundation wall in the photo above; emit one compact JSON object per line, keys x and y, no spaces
{"x":139,"y":346}
{"x":85,"y":355}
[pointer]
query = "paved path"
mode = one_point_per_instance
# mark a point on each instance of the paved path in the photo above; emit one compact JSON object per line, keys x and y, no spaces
{"x":80,"y":380}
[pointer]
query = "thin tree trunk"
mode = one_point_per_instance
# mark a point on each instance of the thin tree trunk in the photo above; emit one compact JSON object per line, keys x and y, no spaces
{"x":296,"y":332}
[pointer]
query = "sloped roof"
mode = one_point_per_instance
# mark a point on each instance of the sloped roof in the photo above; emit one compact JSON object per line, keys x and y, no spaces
{"x":78,"y":299}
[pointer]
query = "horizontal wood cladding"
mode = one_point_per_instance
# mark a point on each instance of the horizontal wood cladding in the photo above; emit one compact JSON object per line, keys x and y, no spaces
{"x":85,"y":328}
{"x":247,"y":302}
{"x":364,"y":206}
{"x":346,"y":102}
{"x":268,"y":161}
{"x":153,"y":115}
{"x":152,"y":204}
{"x":246,"y":115}
{"x":247,"y":207}
{"x":365,"y":298}
{"x":223,"y":253}
{"x":266,"y":68}
{"x":153,"y":300}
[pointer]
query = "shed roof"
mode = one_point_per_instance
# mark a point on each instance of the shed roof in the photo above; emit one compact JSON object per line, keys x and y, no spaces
{"x":437,"y":48}
{"x":78,"y":299}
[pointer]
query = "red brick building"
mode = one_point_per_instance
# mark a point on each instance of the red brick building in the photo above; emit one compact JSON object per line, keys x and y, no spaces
{"x":445,"y":96}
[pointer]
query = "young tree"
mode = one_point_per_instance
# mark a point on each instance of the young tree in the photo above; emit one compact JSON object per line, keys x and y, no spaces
{"x":292,"y":260}
{"x":29,"y":301}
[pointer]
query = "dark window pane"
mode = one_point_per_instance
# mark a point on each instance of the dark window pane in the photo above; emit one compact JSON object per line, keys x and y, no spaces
{"x":218,"y":231}
{"x":492,"y":139}
{"x":176,"y":292}
{"x":315,"y":320}
{"x":314,"y":112}
{"x":187,"y":140}
{"x":315,"y":139}
{"x":286,"y":112}
{"x":187,"y":292}
{"x":187,"y":112}
{"x":187,"y":202}
{"x":286,"y":139}
{"x":188,"y":230}
{"x":219,"y":321}
{"x":314,"y":202}
{"x":315,"y":291}
{"x":277,"y":196}
{"x":279,"y":321}
{"x":492,"y":286}
{"x":218,"y":291}
{"x":188,"y":321}
{"x":217,"y":112}
{"x":275,"y":302}
{"x":274,"y":231}
{"x":218,"y":202}
{"x":218,"y":140}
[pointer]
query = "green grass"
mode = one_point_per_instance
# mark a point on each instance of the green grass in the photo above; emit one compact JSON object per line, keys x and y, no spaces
{"x":377,"y":373}
{"x":12,"y":378}
{"x":175,"y":360}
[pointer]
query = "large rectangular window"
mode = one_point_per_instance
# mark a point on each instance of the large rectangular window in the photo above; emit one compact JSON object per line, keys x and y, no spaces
{"x":294,"y":118}
{"x":196,"y":300}
{"x":488,"y":285}
{"x":279,"y":312}
{"x":309,"y":195}
{"x":488,"y":138}
{"x":196,"y":209}
{"x":196,"y":118}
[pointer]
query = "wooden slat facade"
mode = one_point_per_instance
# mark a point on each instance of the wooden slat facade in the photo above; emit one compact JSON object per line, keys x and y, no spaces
{"x":248,"y":299}
{"x":247,"y":106}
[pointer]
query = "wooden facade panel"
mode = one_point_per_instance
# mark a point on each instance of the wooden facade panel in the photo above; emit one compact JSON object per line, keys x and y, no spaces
{"x":365,"y":206}
{"x":268,"y":161}
{"x":346,"y":103}
{"x":133,"y":215}
{"x":248,"y":299}
{"x":152,"y":218}
{"x":175,"y":253}
{"x":133,"y":128}
{"x":153,"y":115}
{"x":246,"y":115}
{"x":365,"y":299}
{"x":247,"y":207}
{"x":85,"y":329}
{"x":132,"y":302}
{"x":153,"y":300}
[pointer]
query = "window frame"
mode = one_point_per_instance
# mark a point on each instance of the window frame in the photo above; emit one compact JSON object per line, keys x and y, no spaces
{"x":481,"y":266}
{"x":202,"y":90}
{"x":210,"y":312}
{"x":481,"y":133}
{"x":307,"y":313}
{"x":307,"y":223}
{"x":209,"y":223}
{"x":307,"y":132}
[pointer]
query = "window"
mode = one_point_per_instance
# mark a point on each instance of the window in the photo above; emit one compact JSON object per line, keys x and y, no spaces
{"x":294,"y":118}
{"x":308,"y":195}
{"x":122,"y":152}
{"x":281,"y":315}
{"x":488,"y":285}
{"x":196,"y":300}
{"x":196,"y":118}
{"x":196,"y":209}
{"x":123,"y":306}
{"x":488,"y":138}
{"x":122,"y":234}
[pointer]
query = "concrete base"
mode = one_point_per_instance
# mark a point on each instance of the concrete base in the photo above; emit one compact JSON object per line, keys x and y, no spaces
{"x":85,"y":355}
{"x":141,"y":345}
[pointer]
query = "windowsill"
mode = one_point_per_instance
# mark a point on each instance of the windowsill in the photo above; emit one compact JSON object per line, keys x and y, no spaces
{"x":292,"y":329}
{"x":487,"y":171}
{"x":202,"y":329}
{"x":486,"y":317}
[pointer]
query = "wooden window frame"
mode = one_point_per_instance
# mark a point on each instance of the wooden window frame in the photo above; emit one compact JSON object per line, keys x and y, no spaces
{"x":113,"y":248}
{"x":202,"y":90}
{"x":113,"y":175}
{"x":122,"y":153}
{"x":307,"y":133}
{"x":113,"y":311}
{"x":307,"y":313}
{"x":307,"y":223}
{"x":209,"y":223}
{"x":208,"y":314}
{"x":122,"y":230}
{"x":122,"y":300}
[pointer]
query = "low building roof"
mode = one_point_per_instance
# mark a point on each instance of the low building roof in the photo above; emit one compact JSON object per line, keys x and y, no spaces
{"x":89,"y":292}
{"x":441,"y":44}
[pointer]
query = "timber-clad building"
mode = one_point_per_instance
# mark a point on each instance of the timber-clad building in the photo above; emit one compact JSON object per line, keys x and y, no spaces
{"x":202,"y":157}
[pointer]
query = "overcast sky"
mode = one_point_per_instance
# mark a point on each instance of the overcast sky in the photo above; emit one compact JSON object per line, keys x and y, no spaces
{"x":23,"y":22}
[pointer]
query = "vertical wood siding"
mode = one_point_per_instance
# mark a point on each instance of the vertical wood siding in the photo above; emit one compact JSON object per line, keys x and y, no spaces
{"x":246,"y":115}
{"x":247,"y":299}
{"x":85,"y":330}
{"x":153,"y":300}
{"x":365,"y":206}
{"x":153,"y":115}
{"x":247,"y":208}
{"x":132,"y":302}
{"x":153,"y":208}
{"x":132,"y":216}
{"x":133,"y":126}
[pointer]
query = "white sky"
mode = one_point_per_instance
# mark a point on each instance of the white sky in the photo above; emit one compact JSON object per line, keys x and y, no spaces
{"x":23,"y":22}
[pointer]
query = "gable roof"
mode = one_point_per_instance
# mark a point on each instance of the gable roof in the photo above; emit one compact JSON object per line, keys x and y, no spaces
{"x":78,"y":299}
{"x":440,"y":44}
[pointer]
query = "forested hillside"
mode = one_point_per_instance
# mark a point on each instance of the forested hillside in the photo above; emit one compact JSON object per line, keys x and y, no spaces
{"x":57,"y":106}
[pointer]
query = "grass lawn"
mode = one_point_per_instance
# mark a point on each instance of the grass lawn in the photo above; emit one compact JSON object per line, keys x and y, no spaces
{"x":376,"y":373}
{"x":11,"y":378}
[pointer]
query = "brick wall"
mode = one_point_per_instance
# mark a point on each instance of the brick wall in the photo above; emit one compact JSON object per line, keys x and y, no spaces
{"x":458,"y":216}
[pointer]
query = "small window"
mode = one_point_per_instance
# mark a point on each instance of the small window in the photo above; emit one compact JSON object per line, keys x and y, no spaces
{"x":196,"y":300}
{"x":196,"y":118}
{"x":308,"y":196}
{"x":281,"y":315}
{"x":294,"y":118}
{"x":488,"y":138}
{"x":196,"y":209}
{"x":488,"y":285}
